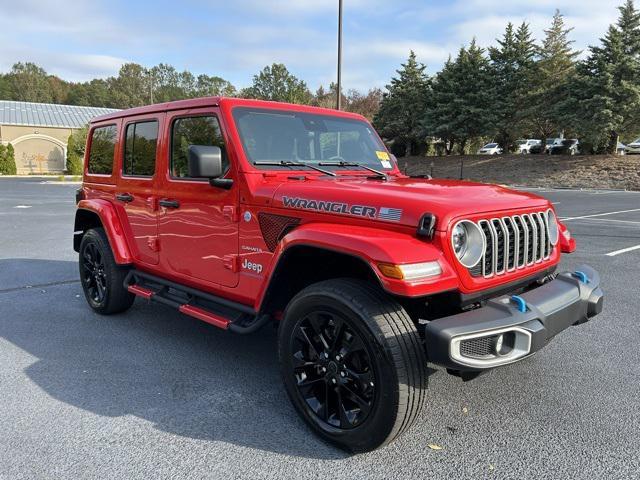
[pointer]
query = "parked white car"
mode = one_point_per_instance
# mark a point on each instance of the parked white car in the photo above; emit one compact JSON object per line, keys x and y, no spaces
{"x":524,"y":146}
{"x":633,"y":147}
{"x":490,"y":149}
{"x":621,"y":149}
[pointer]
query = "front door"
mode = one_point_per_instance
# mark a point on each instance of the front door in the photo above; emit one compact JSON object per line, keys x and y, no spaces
{"x":135,"y":195}
{"x":197,"y":223}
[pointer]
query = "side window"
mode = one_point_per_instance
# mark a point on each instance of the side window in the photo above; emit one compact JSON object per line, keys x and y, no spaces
{"x":202,"y":130}
{"x":140,"y":144}
{"x":103,"y":143}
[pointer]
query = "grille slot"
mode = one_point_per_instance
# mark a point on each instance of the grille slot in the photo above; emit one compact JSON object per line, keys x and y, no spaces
{"x":512,"y":243}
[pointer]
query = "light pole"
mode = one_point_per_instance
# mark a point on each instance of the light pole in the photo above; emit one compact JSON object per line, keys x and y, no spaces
{"x":339,"y":93}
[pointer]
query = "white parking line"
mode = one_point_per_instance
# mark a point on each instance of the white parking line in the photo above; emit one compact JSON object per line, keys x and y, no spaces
{"x":600,"y":214}
{"x":624,"y":250}
{"x":630,"y":222}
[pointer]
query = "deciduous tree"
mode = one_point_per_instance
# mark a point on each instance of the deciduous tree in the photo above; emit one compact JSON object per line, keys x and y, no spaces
{"x":276,"y":83}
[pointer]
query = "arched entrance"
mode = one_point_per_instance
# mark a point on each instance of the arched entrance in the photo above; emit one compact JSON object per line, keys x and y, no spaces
{"x":36,"y":153}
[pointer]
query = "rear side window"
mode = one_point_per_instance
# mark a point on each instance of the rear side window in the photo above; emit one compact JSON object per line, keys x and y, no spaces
{"x":202,"y":130}
{"x":103,"y":144}
{"x":140,"y":144}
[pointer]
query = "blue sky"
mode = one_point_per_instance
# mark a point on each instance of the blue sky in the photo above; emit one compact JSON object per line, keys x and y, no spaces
{"x":80,"y":39}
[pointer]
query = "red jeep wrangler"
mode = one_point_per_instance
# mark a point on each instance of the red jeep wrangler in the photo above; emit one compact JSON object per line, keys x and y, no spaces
{"x":241,"y":213}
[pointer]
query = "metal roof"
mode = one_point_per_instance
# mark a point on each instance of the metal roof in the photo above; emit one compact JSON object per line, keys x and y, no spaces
{"x":48,"y":114}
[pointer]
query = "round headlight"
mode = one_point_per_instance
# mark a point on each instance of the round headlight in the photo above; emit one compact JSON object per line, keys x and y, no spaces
{"x":459,"y":239}
{"x":468,"y":243}
{"x":552,"y":221}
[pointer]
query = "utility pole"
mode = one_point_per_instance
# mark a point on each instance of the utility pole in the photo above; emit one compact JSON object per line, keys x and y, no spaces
{"x":339,"y":92}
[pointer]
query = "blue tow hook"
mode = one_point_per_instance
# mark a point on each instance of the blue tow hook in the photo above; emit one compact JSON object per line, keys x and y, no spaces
{"x":519,"y":301}
{"x":581,"y":276}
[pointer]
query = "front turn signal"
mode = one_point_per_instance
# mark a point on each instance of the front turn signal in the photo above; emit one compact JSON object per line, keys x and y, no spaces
{"x":410,"y":271}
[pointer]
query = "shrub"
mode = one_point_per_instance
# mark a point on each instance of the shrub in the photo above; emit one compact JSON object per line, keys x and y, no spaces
{"x":75,"y":151}
{"x":7,"y":160}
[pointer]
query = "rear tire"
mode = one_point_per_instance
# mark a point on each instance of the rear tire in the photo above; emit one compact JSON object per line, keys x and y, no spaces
{"x":352,"y":363}
{"x":102,"y":278}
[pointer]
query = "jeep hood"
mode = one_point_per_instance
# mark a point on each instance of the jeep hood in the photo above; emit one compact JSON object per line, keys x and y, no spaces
{"x":400,"y":200}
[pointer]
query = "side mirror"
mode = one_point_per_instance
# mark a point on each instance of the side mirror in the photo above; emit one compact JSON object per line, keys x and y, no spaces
{"x":205,"y":161}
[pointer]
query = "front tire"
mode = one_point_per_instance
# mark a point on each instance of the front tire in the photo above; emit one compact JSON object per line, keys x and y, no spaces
{"x":102,"y":278}
{"x":352,"y":363}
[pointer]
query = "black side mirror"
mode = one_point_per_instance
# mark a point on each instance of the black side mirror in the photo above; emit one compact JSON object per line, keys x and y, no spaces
{"x":205,"y":161}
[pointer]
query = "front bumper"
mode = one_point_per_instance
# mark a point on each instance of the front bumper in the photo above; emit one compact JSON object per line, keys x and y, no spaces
{"x":511,"y":328}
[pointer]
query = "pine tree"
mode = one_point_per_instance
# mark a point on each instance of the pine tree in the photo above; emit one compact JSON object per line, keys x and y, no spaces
{"x":462,"y":102}
{"x":512,"y":62}
{"x":550,"y":80}
{"x":403,"y":107}
{"x":607,"y":89}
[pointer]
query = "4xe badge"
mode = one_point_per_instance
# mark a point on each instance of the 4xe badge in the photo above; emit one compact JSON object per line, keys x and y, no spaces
{"x":383,"y":213}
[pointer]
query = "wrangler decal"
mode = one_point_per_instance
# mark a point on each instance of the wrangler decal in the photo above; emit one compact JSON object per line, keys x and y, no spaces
{"x":342,"y":208}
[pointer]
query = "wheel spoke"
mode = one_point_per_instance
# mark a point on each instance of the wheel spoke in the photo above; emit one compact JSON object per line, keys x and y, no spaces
{"x":308,"y":383}
{"x":301,"y":334}
{"x":325,"y":412}
{"x":316,"y":323}
{"x":345,"y":422}
{"x":364,"y":404}
{"x":337,"y":336}
{"x":101,"y":289}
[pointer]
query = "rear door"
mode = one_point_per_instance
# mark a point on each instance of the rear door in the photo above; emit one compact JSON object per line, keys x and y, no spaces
{"x":137,"y":178}
{"x":198,"y":223}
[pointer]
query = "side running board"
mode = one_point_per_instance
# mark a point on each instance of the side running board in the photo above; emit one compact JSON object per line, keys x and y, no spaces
{"x":217,"y":311}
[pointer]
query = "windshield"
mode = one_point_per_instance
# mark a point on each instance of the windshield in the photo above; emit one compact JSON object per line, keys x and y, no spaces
{"x":490,"y":145}
{"x":637,"y":140}
{"x":275,"y":136}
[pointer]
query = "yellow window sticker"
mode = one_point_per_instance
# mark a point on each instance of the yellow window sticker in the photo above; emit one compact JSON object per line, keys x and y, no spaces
{"x":382,"y":155}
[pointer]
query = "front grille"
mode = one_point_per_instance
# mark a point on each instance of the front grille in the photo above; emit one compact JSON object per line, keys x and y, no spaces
{"x":479,"y":347}
{"x":513,"y":243}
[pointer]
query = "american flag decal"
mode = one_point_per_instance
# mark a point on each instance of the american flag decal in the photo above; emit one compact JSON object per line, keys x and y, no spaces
{"x":391,"y":214}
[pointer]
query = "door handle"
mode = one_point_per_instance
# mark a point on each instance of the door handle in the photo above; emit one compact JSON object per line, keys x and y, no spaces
{"x":166,"y":203}
{"x":124,"y":197}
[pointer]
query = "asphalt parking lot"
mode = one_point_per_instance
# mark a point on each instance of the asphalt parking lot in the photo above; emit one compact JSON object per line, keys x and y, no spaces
{"x":154,"y":394}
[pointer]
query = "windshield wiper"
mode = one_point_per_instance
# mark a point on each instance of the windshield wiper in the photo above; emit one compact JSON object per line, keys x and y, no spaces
{"x":355,"y":164}
{"x":287,"y":163}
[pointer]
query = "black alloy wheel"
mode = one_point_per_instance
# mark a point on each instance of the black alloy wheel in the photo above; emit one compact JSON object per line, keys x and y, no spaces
{"x":95,"y":281}
{"x":102,"y":278}
{"x":333,"y":369}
